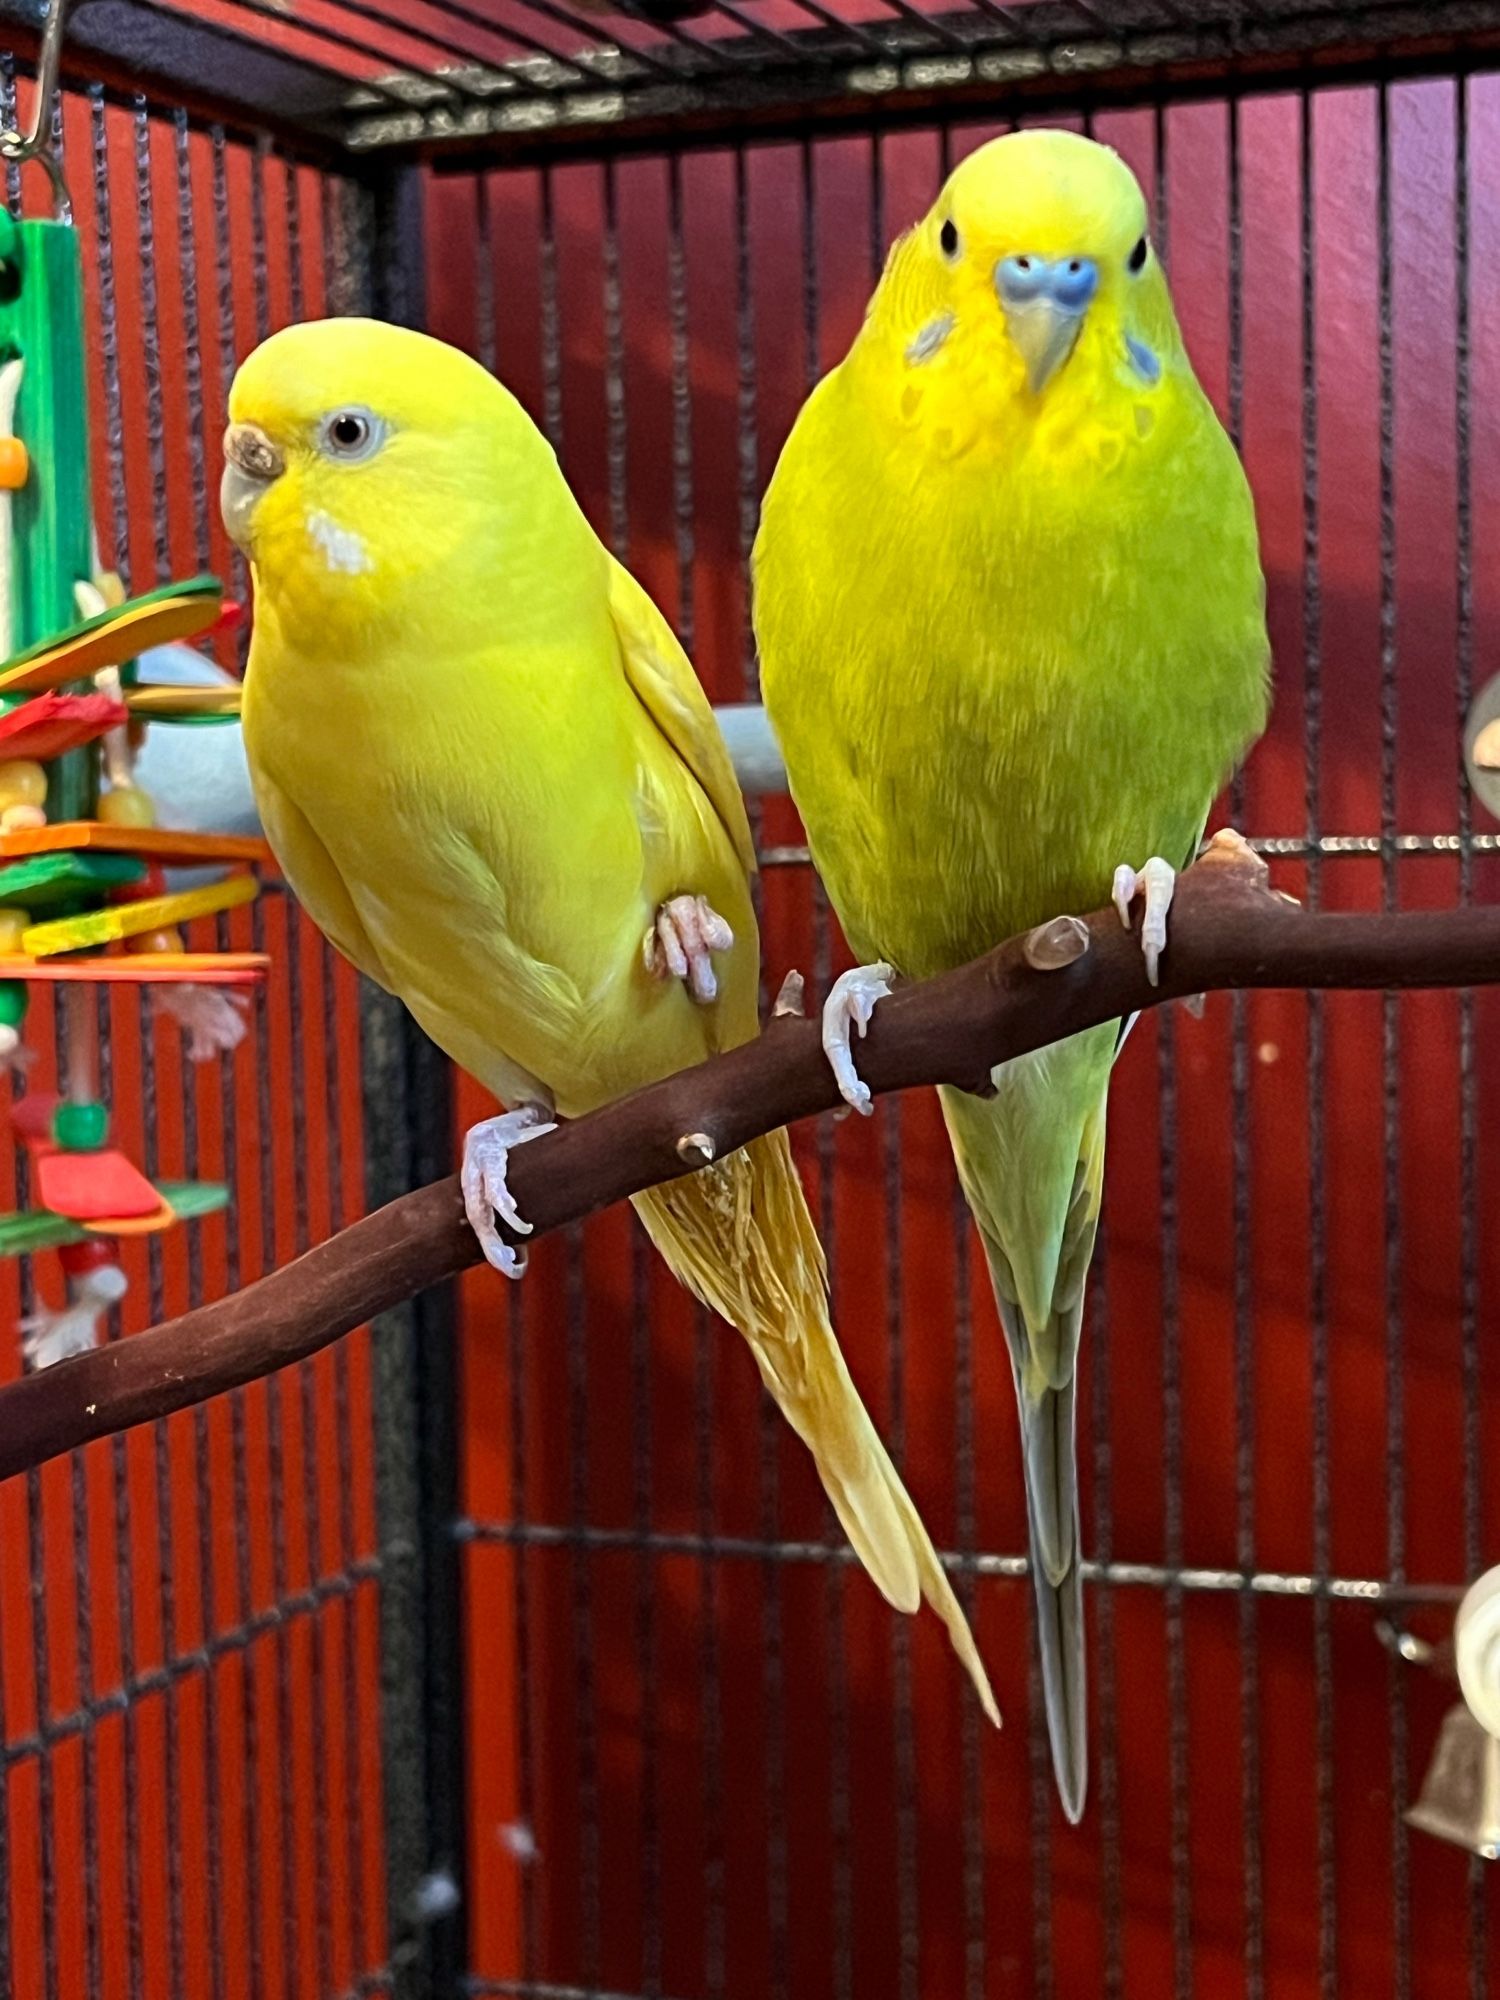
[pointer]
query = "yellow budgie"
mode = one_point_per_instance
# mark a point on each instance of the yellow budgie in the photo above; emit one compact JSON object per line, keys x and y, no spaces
{"x":1011,"y":621}
{"x":493,"y":780}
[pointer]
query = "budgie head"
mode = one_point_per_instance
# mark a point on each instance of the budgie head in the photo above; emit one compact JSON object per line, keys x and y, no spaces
{"x":1032,"y":280}
{"x":370,"y":474}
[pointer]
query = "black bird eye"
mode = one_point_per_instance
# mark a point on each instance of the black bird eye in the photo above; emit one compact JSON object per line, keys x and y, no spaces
{"x":1136,"y":261}
{"x":353,"y":434}
{"x":948,"y":238}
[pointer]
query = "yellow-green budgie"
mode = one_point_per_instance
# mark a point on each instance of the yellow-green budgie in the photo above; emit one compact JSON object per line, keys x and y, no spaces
{"x":1011,"y":622}
{"x":491,"y":777}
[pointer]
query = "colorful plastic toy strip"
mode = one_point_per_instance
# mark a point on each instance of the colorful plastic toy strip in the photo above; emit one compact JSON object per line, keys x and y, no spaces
{"x":159,"y":702}
{"x":123,"y":920}
{"x":176,"y":611}
{"x":147,"y":968}
{"x":47,"y":878}
{"x":25,"y":1231}
{"x":49,"y":725}
{"x":158,"y":843}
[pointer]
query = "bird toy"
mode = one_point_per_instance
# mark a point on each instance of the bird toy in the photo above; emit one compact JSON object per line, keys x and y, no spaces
{"x":83,"y":896}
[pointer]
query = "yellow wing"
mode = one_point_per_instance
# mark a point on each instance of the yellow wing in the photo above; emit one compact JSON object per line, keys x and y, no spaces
{"x":314,"y":878}
{"x":672,"y":695}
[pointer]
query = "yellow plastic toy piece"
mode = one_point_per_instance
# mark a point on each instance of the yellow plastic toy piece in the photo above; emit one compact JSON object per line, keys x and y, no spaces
{"x":110,"y":644}
{"x":157,"y":698}
{"x":123,"y":920}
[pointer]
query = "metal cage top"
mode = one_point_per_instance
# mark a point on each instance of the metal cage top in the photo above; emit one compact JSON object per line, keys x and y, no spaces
{"x":462,"y":82}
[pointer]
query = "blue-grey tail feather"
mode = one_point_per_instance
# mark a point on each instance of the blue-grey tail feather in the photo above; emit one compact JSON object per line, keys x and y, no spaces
{"x":1059,"y":1623}
{"x":1048,"y":1417}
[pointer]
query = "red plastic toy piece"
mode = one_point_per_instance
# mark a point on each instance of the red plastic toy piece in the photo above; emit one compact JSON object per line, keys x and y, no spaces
{"x":85,"y":1187}
{"x":49,"y":724}
{"x":92,"y":1187}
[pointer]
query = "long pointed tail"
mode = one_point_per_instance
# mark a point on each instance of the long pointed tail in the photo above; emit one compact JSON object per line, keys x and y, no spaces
{"x":1048,"y":1448}
{"x":1031,"y":1160}
{"x":739,"y":1236}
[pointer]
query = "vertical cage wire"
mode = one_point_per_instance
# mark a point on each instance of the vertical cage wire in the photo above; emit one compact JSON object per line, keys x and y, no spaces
{"x":1395,"y":1429}
{"x":1316,"y":1063}
{"x":1171,"y":1339}
{"x":156,"y":458}
{"x":1251,"y":1830}
{"x":1468,"y":1138}
{"x":840,"y":1812}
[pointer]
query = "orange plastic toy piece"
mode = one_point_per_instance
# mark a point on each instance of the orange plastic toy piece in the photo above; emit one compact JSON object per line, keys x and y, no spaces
{"x":163,"y":843}
{"x":144,"y":968}
{"x":15,"y":464}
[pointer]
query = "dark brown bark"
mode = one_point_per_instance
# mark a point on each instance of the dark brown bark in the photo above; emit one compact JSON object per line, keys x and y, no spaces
{"x":1228,"y":929}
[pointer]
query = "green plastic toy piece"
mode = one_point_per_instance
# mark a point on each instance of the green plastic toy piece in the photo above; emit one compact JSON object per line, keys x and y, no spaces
{"x":13,"y":998}
{"x":41,"y":320}
{"x":49,"y":878}
{"x":188,"y":1199}
{"x":28,"y":1230}
{"x":80,"y":1128}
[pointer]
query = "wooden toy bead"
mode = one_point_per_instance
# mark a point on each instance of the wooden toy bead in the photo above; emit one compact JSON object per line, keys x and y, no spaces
{"x":12,"y":924}
{"x":12,"y":999}
{"x":165,"y":940}
{"x":15,"y":464}
{"x":127,"y":805}
{"x":22,"y":781}
{"x":13,"y":819}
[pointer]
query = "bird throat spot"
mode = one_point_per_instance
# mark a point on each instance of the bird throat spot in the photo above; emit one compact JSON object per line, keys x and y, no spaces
{"x":343,"y":551}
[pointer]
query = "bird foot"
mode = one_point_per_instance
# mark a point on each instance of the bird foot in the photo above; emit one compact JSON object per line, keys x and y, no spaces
{"x":487,"y":1150}
{"x":849,"y":1006}
{"x":685,"y":933}
{"x":1154,"y":885}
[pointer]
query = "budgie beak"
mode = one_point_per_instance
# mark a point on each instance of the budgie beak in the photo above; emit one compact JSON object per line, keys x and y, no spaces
{"x":251,"y":462}
{"x":1044,"y":301}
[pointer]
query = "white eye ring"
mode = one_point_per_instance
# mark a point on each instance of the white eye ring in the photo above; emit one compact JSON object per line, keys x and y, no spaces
{"x":352,"y":435}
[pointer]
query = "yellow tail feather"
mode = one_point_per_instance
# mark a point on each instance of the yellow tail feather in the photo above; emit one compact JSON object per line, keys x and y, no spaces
{"x":739,"y":1236}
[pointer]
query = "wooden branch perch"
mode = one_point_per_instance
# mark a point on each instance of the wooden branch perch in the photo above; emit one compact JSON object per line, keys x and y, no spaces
{"x":1228,"y":929}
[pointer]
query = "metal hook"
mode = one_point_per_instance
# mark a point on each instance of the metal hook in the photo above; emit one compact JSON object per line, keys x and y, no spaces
{"x":33,"y":145}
